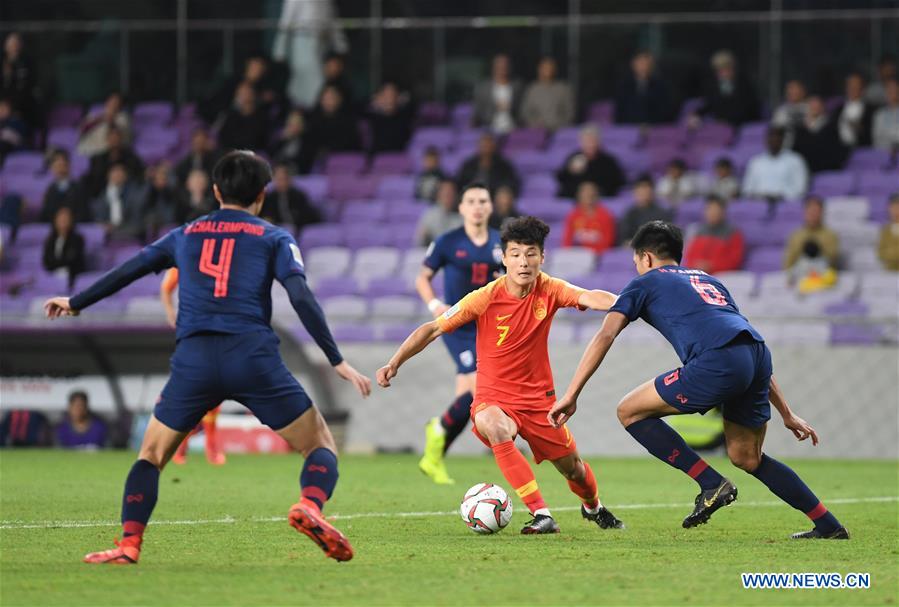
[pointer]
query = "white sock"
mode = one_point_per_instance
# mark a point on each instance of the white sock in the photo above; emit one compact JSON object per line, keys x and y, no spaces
{"x":543,"y":511}
{"x":438,"y":427}
{"x":593,"y":510}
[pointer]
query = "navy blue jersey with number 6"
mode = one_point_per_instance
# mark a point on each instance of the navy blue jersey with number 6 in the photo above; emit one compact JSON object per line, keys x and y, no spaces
{"x":466,"y":266}
{"x":693,"y":310}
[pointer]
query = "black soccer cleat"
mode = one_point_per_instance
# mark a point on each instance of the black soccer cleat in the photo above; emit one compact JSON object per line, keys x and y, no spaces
{"x":540,"y":524}
{"x":707,"y":502}
{"x":838,"y":534}
{"x":604,"y":518}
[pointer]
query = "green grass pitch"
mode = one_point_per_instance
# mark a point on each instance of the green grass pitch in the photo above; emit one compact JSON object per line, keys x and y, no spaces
{"x":226,"y":540}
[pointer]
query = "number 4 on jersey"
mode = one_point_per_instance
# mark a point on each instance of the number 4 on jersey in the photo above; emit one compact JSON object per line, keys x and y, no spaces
{"x":220,"y":270}
{"x":709,"y":293}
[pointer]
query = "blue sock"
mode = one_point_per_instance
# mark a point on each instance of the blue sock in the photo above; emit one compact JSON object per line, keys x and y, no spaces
{"x":786,"y":484}
{"x":141,"y":491}
{"x":455,"y":418}
{"x":319,"y":476}
{"x":667,"y":445}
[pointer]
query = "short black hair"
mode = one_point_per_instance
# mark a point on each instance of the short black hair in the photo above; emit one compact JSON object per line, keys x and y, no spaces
{"x":813,"y":199}
{"x":724,"y":161}
{"x":715,"y":199}
{"x":661,"y":238}
{"x":241,"y":176}
{"x":643,"y":178}
{"x":78,"y":394}
{"x":525,"y":230}
{"x":474,"y":185}
{"x":678,"y":163}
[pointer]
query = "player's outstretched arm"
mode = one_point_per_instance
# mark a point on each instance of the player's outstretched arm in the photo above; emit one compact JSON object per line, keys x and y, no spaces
{"x":795,"y":424}
{"x":415,"y":343}
{"x":566,"y":406}
{"x":597,"y":300}
{"x":426,"y":292}
{"x":58,"y":306}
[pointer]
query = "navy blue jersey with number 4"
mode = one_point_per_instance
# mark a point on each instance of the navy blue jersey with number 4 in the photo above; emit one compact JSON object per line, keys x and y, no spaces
{"x":226,"y":263}
{"x":466,"y":266}
{"x":693,"y":310}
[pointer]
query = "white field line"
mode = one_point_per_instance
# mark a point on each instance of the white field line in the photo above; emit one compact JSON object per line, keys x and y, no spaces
{"x":227,"y":520}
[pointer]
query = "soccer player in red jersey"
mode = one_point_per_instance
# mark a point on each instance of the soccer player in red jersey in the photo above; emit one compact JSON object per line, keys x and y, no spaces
{"x":514,"y":388}
{"x":214,"y":453}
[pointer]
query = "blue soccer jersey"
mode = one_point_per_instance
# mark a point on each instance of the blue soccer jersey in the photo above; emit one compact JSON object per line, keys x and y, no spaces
{"x":693,"y":310}
{"x":466,"y":266}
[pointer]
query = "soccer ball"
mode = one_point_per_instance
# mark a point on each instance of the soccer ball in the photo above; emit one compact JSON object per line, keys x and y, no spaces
{"x":486,"y":508}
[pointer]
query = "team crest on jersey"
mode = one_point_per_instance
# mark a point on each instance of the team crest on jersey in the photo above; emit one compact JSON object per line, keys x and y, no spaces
{"x":497,"y":254}
{"x":539,"y":309}
{"x":451,"y":312}
{"x":297,"y":256}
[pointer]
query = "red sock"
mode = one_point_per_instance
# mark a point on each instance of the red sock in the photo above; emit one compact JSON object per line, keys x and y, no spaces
{"x":518,"y":472}
{"x":212,"y":443}
{"x":586,"y":489}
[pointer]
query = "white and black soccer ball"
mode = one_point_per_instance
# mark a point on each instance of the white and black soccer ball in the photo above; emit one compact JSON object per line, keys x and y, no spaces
{"x":486,"y":508}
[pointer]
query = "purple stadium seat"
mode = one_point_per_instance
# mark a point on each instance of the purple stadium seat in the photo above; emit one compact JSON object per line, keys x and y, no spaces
{"x":404,"y":211}
{"x":789,"y":211}
{"x":690,"y":211}
{"x":617,"y":260}
{"x":867,"y":159}
{"x":846,"y":308}
{"x":63,"y":137}
{"x":547,"y":208}
{"x":346,"y":187}
{"x":634,"y":162}
{"x":153,"y":112}
{"x":462,"y":115}
{"x":315,"y":186}
{"x":617,"y":206}
{"x":524,"y":139}
{"x":354,"y":333}
{"x":570,"y":261}
{"x":396,"y":187}
{"x":391,"y":285}
{"x":566,"y":137}
{"x":690,"y":107}
{"x":451,"y":162}
{"x":740,"y":283}
{"x":601,"y":112}
{"x":361,"y":236}
{"x":342,"y":163}
{"x":833,"y":183}
{"x":24,"y":163}
{"x":159,"y":135}
{"x":64,"y":115}
{"x":436,"y":136}
{"x":666,"y":135}
{"x":467,"y":139}
{"x":766,"y":234}
{"x":391,"y":163}
{"x":321,"y":235}
{"x":765,"y":259}
{"x":855,"y":334}
{"x":540,"y":184}
{"x":153,"y":151}
{"x":397,"y":307}
{"x":713,"y":134}
{"x":618,"y":136}
{"x":660,"y":155}
{"x":747,"y":210}
{"x":363,"y":211}
{"x":432,"y":112}
{"x":17,"y":306}
{"x":403,"y":233}
{"x":396,"y":333}
{"x":32,"y":235}
{"x":94,"y":235}
{"x":878,"y":183}
{"x":334,"y":286}
{"x":530,"y":161}
{"x":753,"y":134}
{"x":375,"y":262}
{"x":849,"y":209}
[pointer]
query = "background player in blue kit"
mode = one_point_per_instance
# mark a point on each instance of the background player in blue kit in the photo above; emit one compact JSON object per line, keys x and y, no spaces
{"x":725,"y":362}
{"x":470,"y":256}
{"x":226,"y":348}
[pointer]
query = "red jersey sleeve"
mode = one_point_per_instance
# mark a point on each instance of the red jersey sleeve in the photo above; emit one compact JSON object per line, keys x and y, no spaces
{"x":467,"y":309}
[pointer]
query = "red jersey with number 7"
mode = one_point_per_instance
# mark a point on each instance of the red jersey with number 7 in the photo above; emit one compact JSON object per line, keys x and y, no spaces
{"x":513,"y":356}
{"x":226,"y":263}
{"x":693,"y":310}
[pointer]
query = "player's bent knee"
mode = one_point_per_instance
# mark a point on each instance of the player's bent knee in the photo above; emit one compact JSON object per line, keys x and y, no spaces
{"x":744,"y":460}
{"x":626,"y":414}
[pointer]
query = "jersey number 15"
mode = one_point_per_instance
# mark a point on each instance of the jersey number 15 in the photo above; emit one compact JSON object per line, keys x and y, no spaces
{"x":220,"y":270}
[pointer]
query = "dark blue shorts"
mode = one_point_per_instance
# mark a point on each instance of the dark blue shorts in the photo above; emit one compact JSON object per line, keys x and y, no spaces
{"x":735,"y":377}
{"x":462,"y":346}
{"x":207,"y":369}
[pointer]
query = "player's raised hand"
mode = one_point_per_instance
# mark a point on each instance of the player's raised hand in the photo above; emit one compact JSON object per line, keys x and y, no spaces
{"x":801,"y":429}
{"x":562,"y":411}
{"x":359,"y":381}
{"x":58,"y":306}
{"x":385,"y":374}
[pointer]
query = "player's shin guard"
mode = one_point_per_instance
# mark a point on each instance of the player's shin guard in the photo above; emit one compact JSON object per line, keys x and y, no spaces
{"x":141,"y":491}
{"x":667,"y":445}
{"x":518,"y":473}
{"x":455,"y":418}
{"x":586,"y":489}
{"x":786,"y":484}
{"x":319,"y":476}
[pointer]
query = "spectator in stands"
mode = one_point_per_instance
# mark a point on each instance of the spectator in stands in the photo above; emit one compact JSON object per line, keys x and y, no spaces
{"x":888,"y":247}
{"x":196,"y":198}
{"x":590,"y":163}
{"x":117,"y":152}
{"x":390,"y":119}
{"x":80,"y":429}
{"x":63,"y":191}
{"x":431,"y":175}
{"x":202,"y":155}
{"x":258,"y":73}
{"x":814,"y":231}
{"x":161,"y":198}
{"x":95,"y":127}
{"x":547,"y":103}
{"x":245,"y":125}
{"x":589,"y":224}
{"x":120,"y":205}
{"x":643,"y":97}
{"x":64,"y":246}
{"x":645,"y":209}
{"x":294,"y":147}
{"x":854,"y":116}
{"x":332,"y":127}
{"x":17,"y":79}
{"x":724,"y":183}
{"x":678,"y":184}
{"x":728,"y":96}
{"x":13,"y":129}
{"x":716,"y":246}
{"x":503,"y":207}
{"x":776,"y":174}
{"x":440,"y":218}
{"x":286,"y":204}
{"x":489,"y":167}
{"x":885,"y":129}
{"x":790,"y":114}
{"x":876,"y":93}
{"x":817,"y":139}
{"x":334,"y":74}
{"x":496,"y":101}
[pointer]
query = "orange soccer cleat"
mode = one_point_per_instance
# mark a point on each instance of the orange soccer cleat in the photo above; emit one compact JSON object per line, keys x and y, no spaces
{"x":127,"y":552}
{"x":306,"y":518}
